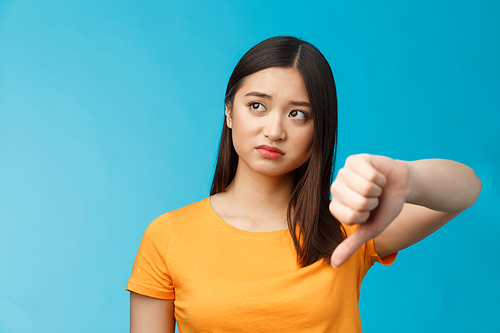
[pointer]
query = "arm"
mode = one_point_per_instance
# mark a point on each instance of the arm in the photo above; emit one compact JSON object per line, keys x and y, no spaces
{"x":438,"y":190}
{"x":398,"y":203}
{"x":151,"y":315}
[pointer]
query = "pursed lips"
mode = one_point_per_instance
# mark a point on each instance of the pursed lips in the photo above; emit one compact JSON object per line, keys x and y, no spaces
{"x":270,"y":151}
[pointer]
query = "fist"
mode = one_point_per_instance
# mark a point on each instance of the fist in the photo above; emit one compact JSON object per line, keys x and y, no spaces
{"x":369,"y":190}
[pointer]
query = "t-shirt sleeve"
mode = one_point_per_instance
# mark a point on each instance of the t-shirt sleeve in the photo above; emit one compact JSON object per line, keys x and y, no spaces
{"x":370,"y":257}
{"x":374,"y":257}
{"x":367,"y":254}
{"x":150,"y":275}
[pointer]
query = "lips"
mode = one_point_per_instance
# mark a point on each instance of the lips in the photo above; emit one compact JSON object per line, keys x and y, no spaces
{"x":271,"y":148}
{"x":270,"y":151}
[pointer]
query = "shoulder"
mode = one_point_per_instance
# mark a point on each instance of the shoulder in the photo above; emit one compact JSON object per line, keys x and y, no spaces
{"x":183,"y":216}
{"x":194,"y":209}
{"x":160,"y":230}
{"x":190,"y":215}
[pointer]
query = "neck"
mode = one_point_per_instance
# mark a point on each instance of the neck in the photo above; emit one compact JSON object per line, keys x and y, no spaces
{"x":261,"y":191}
{"x":254,"y":201}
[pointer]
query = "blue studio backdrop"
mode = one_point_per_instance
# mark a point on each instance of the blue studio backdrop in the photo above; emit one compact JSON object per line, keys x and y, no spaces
{"x":110,"y":114}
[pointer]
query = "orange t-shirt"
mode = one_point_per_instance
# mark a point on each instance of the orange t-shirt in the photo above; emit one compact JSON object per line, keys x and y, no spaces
{"x":224,"y":279}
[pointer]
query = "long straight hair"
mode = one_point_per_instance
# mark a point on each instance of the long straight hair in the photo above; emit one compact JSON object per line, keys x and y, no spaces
{"x":314,"y":230}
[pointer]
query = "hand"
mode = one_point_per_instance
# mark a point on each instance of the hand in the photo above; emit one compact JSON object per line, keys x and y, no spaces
{"x":369,"y":190}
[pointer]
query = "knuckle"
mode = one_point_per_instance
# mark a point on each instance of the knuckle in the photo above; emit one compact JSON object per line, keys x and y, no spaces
{"x":351,"y":217}
{"x":366,"y":188}
{"x":334,"y":190}
{"x":333,"y":206}
{"x":342,"y":217}
{"x":335,"y":183}
{"x":361,"y":204}
{"x":351,"y":159}
{"x":364,"y":156}
{"x":371,"y":176}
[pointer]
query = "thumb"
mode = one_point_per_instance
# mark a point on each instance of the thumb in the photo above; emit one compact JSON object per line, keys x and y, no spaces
{"x":389,"y":208}
{"x":350,"y":245}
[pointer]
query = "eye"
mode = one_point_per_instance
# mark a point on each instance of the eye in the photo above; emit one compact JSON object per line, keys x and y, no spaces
{"x":297,"y":114}
{"x":257,"y":106}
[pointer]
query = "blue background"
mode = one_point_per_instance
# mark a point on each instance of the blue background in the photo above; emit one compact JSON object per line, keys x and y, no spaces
{"x":110,"y":114}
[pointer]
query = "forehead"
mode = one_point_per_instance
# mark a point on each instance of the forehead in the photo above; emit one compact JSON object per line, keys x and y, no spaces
{"x":278,"y":82}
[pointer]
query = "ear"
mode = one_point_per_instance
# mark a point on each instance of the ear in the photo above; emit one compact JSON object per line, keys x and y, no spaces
{"x":229,"y":118}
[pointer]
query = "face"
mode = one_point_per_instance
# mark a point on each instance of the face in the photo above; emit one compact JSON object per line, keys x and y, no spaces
{"x":271,"y":122}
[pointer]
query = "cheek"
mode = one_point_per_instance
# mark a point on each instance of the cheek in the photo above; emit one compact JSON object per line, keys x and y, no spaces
{"x":306,"y":141}
{"x":303,"y":144}
{"x":241,"y":133}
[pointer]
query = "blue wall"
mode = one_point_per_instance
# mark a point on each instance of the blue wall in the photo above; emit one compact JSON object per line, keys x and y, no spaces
{"x":110,"y":113}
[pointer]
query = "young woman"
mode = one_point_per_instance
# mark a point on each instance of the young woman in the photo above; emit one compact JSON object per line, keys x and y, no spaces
{"x":269,"y":251}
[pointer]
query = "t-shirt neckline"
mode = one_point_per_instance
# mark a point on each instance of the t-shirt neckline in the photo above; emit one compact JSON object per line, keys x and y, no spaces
{"x":256,"y":234}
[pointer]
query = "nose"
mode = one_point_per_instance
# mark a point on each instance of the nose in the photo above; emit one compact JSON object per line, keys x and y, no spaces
{"x":274,"y":128}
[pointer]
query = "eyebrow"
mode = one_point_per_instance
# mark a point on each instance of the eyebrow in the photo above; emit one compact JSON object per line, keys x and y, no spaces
{"x":263,"y":95}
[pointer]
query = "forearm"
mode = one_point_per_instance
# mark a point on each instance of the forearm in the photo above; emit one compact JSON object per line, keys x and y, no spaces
{"x":442,"y":185}
{"x":405,"y":201}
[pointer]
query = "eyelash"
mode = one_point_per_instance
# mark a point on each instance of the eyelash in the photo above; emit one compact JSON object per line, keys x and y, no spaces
{"x":306,"y":115}
{"x":251,"y":104}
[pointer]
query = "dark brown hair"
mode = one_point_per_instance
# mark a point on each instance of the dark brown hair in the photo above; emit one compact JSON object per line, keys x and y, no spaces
{"x":315,"y":232}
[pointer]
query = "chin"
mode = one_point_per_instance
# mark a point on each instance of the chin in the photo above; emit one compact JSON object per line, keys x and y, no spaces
{"x":271,"y":168}
{"x":273,"y":171}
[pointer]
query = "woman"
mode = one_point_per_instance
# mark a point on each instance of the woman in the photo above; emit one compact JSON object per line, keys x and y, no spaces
{"x":269,"y":251}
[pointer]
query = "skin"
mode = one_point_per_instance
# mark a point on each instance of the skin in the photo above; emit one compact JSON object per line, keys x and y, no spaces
{"x":257,"y":198}
{"x":396,"y":203}
{"x":151,"y":315}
